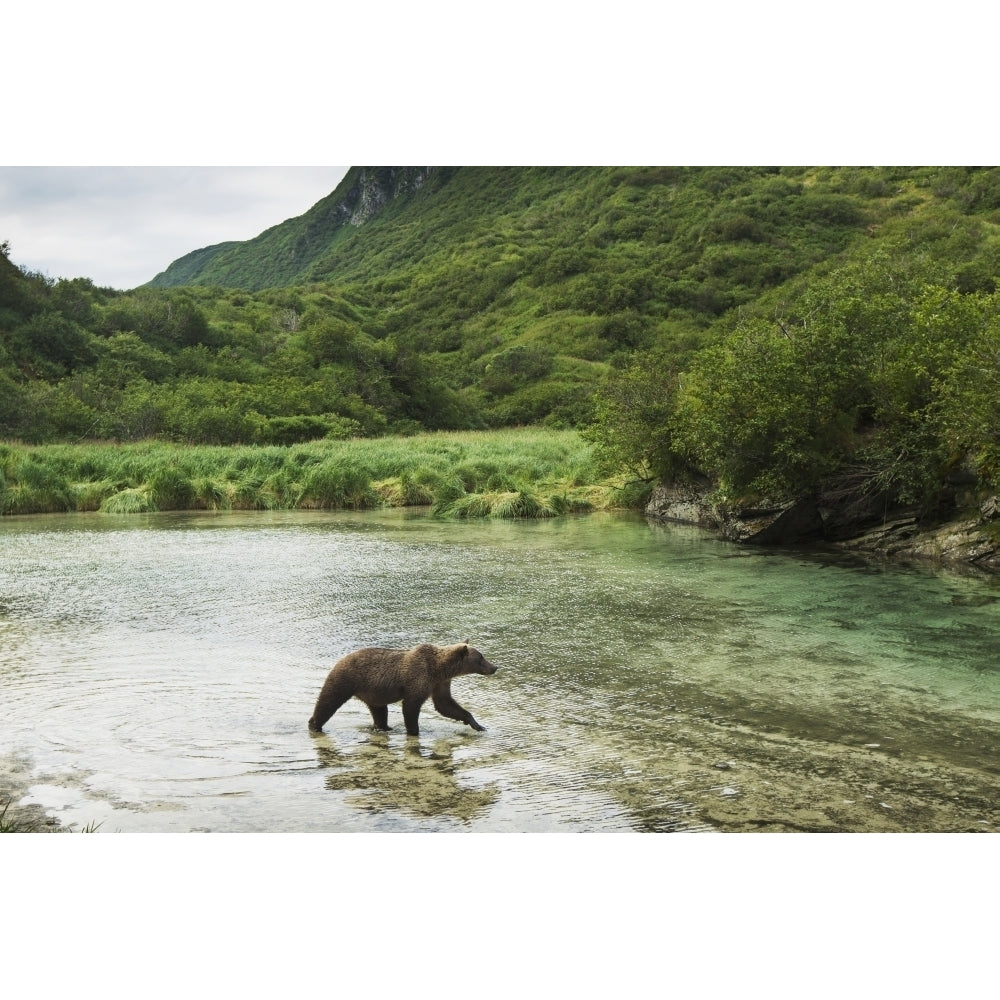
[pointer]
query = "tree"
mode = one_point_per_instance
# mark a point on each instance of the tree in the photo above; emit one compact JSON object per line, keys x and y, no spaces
{"x":634,"y":416}
{"x":762,"y":411}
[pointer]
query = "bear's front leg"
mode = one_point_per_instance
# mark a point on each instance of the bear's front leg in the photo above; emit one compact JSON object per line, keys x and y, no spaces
{"x":451,"y":709}
{"x":411,"y":713}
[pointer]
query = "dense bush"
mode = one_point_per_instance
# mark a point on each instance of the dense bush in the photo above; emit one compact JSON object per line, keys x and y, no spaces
{"x":879,"y":370}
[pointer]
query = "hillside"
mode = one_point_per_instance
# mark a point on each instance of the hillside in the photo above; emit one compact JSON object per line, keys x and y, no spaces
{"x":467,"y":297}
{"x":285,"y":253}
{"x":380,"y":221}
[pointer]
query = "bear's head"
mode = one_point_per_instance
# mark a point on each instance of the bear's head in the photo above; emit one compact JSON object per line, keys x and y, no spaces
{"x":466,"y":659}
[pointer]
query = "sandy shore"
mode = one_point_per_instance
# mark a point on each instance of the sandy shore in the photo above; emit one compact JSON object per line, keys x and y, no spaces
{"x":15,"y":779}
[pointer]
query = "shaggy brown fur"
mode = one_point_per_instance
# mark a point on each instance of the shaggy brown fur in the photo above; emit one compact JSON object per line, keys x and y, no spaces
{"x":380,"y":677}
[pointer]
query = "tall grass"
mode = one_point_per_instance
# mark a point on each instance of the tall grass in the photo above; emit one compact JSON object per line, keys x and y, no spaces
{"x":529,"y":472}
{"x":8,"y":825}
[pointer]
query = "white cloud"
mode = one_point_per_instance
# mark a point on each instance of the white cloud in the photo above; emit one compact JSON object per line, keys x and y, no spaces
{"x":120,"y":226}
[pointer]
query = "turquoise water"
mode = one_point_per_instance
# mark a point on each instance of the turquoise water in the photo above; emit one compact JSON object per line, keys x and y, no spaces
{"x":158,"y":672}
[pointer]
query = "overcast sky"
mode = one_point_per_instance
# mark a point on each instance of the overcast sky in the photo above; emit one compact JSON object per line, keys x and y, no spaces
{"x":121,"y":226}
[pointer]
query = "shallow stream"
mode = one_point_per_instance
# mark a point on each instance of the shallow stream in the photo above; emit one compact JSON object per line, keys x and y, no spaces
{"x":157,"y":673}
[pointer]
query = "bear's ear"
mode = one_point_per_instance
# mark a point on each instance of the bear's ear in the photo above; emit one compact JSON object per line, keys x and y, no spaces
{"x":463,"y":649}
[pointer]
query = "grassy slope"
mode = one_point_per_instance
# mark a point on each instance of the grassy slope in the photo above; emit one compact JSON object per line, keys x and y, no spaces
{"x":585,"y":262}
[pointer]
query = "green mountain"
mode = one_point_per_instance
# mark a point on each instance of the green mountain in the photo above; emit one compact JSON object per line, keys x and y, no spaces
{"x":285,"y":254}
{"x":749,"y":227}
{"x":759,"y":326}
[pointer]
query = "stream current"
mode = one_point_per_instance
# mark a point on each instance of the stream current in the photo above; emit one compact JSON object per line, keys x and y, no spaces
{"x":157,"y":672}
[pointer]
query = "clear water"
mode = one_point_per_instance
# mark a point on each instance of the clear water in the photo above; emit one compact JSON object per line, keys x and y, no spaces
{"x":157,"y":673}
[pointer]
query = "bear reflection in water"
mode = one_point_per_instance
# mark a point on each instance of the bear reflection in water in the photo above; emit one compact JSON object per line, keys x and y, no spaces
{"x":381,"y":778}
{"x":380,"y":677}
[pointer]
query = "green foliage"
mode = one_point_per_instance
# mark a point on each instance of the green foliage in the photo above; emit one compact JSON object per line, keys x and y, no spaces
{"x":170,"y":489}
{"x":164,"y":321}
{"x":767,"y":327}
{"x":966,"y":409}
{"x":128,"y":501}
{"x":514,"y":368}
{"x":33,"y":486}
{"x":521,"y":503}
{"x":469,"y":297}
{"x":59,"y":344}
{"x":338,"y":483}
{"x":758,"y":413}
{"x":633,"y":427}
{"x":518,"y":473}
{"x":878,"y":373}
{"x":291,"y":430}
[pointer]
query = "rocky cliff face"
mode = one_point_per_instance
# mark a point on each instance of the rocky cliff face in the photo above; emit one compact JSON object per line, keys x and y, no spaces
{"x":778,"y":522}
{"x":971,"y":538}
{"x":374,"y":187}
{"x":971,"y":541}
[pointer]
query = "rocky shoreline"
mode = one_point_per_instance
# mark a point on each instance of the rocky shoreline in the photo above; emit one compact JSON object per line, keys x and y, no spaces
{"x":968,"y":538}
{"x":15,"y":778}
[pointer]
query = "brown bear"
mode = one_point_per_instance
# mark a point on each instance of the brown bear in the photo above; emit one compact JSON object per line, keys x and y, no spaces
{"x":380,"y":677}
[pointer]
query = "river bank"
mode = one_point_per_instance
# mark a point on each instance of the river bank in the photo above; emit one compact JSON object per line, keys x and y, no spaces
{"x":532,"y":471}
{"x":523,"y":472}
{"x":966,"y":538}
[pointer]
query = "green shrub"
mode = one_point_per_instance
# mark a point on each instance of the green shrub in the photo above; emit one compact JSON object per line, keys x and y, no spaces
{"x":520,"y":503}
{"x":292,"y":430}
{"x":35,"y":487}
{"x":89,"y":496}
{"x":414,"y":492}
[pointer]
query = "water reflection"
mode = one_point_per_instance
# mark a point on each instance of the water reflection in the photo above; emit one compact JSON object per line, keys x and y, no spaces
{"x":384,"y":775}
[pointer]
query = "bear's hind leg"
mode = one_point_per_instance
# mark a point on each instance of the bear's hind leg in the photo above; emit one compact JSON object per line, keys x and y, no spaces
{"x":380,"y":716}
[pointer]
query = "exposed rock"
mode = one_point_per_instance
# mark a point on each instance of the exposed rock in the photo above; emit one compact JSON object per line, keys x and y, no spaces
{"x":860,"y":524}
{"x":782,"y":522}
{"x":687,"y":503}
{"x":886,"y":538}
{"x":989,"y":510}
{"x":845,"y":515}
{"x":771,"y":523}
{"x":376,"y":186}
{"x":966,"y":541}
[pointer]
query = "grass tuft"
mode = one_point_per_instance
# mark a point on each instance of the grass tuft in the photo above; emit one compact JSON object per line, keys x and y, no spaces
{"x":7,"y":825}
{"x":131,"y":501}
